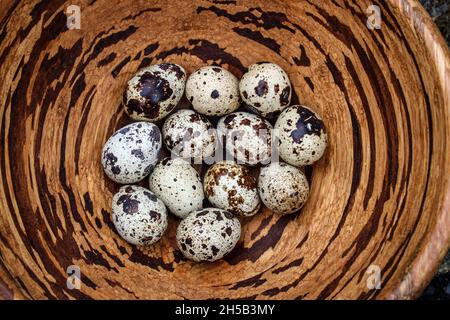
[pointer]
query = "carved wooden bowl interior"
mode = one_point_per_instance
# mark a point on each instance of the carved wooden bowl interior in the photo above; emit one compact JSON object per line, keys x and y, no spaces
{"x":379,"y":199}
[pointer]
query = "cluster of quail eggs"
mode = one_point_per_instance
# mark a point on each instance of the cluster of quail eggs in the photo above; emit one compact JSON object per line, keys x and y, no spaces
{"x":267,"y":127}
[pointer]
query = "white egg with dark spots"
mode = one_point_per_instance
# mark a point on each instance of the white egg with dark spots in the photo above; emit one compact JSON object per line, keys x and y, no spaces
{"x":154,"y":91}
{"x":283,"y":188}
{"x":130,"y":153}
{"x":232,"y":187}
{"x":138,"y":215}
{"x":302,"y":137}
{"x":189,"y":135}
{"x":266,"y":88}
{"x":248,"y":137}
{"x":213,"y":91}
{"x":178,"y":185}
{"x":208,"y":234}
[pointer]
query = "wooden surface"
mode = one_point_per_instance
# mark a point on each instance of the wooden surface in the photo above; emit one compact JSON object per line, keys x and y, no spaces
{"x":380,"y":196}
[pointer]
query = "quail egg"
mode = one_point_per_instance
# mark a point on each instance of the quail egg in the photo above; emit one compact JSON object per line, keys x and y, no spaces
{"x":130,"y":153}
{"x":248,"y":137}
{"x":283,"y":188}
{"x":213,"y":91}
{"x":190,"y":135}
{"x":208,"y":234}
{"x":232,"y":187}
{"x":154,"y":91}
{"x":266,"y":88}
{"x":178,"y":185}
{"x":138,"y":215}
{"x":302,"y":138}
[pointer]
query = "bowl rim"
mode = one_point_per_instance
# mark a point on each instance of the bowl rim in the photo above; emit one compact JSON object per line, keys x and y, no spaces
{"x":429,"y":257}
{"x":437,"y":242}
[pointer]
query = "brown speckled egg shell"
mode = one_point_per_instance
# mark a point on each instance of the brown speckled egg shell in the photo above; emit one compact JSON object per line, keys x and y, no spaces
{"x":208,"y":234}
{"x":232,"y":187}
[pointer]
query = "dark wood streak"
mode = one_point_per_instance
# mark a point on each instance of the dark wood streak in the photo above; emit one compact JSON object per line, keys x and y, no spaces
{"x":254,"y":16}
{"x":309,"y":83}
{"x":147,"y":61}
{"x":151,"y":48}
{"x":101,"y":45}
{"x":206,"y":51}
{"x":107,"y":219}
{"x":258,"y":37}
{"x":304,"y":60}
{"x":138,"y":256}
{"x":302,"y":242}
{"x":277,"y":290}
{"x":112,"y":257}
{"x":134,"y":16}
{"x":264,"y":223}
{"x":48,"y":202}
{"x":254,"y":282}
{"x":88,"y":205}
{"x":223,"y":1}
{"x":240,"y":253}
{"x":115,"y":72}
{"x":117,"y":284}
{"x":76,"y":92}
{"x":87,"y":104}
{"x":137,"y":56}
{"x":292,"y":264}
{"x":107,"y":60}
{"x":95,"y":257}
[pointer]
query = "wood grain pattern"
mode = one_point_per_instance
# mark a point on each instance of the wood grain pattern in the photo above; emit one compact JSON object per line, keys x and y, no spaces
{"x":380,"y":196}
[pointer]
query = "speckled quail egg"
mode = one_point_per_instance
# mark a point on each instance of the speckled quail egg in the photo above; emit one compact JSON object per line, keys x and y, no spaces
{"x":283,"y":188}
{"x":302,"y":137}
{"x":138,"y":215}
{"x":248,"y":137}
{"x":266,"y":88}
{"x":208,"y":234}
{"x":178,"y":185}
{"x":232,"y":187}
{"x":189,"y":135}
{"x":130,"y":153}
{"x":154,"y":91}
{"x":213,"y":91}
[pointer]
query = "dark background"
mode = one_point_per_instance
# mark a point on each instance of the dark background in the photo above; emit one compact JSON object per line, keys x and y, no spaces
{"x":439,"y":288}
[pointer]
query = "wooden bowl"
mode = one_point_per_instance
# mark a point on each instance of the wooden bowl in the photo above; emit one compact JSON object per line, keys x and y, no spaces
{"x":380,"y":198}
